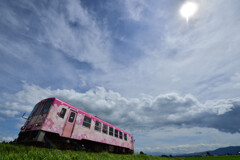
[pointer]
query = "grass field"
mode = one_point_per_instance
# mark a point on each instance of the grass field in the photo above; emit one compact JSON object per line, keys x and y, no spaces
{"x":234,"y":157}
{"x":20,"y":152}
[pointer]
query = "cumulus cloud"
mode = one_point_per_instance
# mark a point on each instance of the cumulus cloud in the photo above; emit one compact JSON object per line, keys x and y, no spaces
{"x":9,"y":113}
{"x":137,"y":114}
{"x":129,"y":47}
{"x":188,"y":148}
{"x":6,"y":139}
{"x":184,"y":140}
{"x":160,"y":47}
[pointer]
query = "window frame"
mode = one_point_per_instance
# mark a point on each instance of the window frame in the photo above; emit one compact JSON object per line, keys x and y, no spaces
{"x":34,"y":110}
{"x":86,"y":123}
{"x":98,"y":127}
{"x":62,"y":113}
{"x":105,"y":129}
{"x":125,"y":137}
{"x":111,"y":131}
{"x":116,"y":133}
{"x":120,"y":135}
{"x":71,"y":120}
{"x":47,"y":106}
{"x":39,"y":109}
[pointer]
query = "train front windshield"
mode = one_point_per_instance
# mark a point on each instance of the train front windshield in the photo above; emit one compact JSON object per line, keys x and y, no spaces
{"x":41,"y":108}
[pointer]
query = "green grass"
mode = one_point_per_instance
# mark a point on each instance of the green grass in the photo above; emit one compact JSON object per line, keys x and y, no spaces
{"x":234,"y":157}
{"x":20,"y":152}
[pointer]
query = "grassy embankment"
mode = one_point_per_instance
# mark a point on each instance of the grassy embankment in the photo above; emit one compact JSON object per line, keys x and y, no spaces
{"x":20,"y":152}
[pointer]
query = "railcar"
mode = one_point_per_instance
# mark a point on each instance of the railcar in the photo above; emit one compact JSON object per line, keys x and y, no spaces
{"x":67,"y":127}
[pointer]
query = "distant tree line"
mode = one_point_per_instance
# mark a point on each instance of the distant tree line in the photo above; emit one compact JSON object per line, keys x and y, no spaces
{"x":10,"y":142}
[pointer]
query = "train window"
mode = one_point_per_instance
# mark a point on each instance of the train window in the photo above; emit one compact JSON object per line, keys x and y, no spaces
{"x":33,"y":111}
{"x":71,"y":117}
{"x":110,"y":131}
{"x":116,"y":133}
{"x":120,"y":135}
{"x":62,"y":113}
{"x":105,"y":129}
{"x":125,"y":136}
{"x":87,"y":122}
{"x":47,"y":106}
{"x":39,"y":109}
{"x":98,"y":126}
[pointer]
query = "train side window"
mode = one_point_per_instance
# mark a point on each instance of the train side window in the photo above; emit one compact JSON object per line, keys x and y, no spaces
{"x":105,"y":129}
{"x":110,"y":131}
{"x":87,"y":122}
{"x":120,"y":135}
{"x":116,"y":133}
{"x":98,"y":126}
{"x":62,"y":113}
{"x":125,"y":136}
{"x":71,"y":117}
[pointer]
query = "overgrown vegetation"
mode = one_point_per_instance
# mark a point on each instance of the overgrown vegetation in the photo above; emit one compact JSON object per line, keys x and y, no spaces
{"x":20,"y":152}
{"x":232,"y":157}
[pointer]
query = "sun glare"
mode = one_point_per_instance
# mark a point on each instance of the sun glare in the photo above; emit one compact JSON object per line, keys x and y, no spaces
{"x":188,"y":9}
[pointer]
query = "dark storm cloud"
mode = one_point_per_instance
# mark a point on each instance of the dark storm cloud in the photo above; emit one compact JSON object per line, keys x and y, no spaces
{"x":227,"y":122}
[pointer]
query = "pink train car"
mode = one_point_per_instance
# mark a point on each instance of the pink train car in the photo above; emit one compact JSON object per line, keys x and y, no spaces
{"x":65,"y":126}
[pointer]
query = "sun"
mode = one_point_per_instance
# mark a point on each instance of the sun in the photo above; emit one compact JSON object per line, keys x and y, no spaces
{"x":188,"y":9}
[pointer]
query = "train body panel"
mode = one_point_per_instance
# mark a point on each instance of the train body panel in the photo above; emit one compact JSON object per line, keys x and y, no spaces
{"x":70,"y":122}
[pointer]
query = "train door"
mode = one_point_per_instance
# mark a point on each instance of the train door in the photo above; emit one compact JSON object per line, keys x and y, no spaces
{"x":132,"y":143}
{"x":68,"y":128}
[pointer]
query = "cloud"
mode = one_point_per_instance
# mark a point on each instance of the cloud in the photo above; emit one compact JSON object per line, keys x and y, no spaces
{"x":19,"y":125}
{"x":76,"y":33}
{"x":131,"y":47}
{"x":236,"y":79}
{"x":9,"y":113}
{"x":6,"y":139}
{"x":138,"y":114}
{"x":178,"y":149}
{"x":135,"y":9}
{"x":51,"y":39}
{"x":202,"y":56}
{"x":176,"y":140}
{"x":184,"y":76}
{"x":189,"y":148}
{"x":2,"y":119}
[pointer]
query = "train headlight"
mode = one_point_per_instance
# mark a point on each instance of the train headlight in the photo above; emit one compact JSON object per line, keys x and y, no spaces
{"x":38,"y":124}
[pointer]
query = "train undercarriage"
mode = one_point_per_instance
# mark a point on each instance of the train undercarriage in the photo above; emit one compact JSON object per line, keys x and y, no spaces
{"x":52,"y":140}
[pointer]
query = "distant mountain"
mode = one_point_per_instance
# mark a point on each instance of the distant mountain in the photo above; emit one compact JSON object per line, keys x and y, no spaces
{"x":232,"y":150}
{"x":157,"y":153}
{"x":227,"y":150}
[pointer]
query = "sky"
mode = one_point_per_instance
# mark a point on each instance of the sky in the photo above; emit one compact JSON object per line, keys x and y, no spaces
{"x":137,"y":64}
